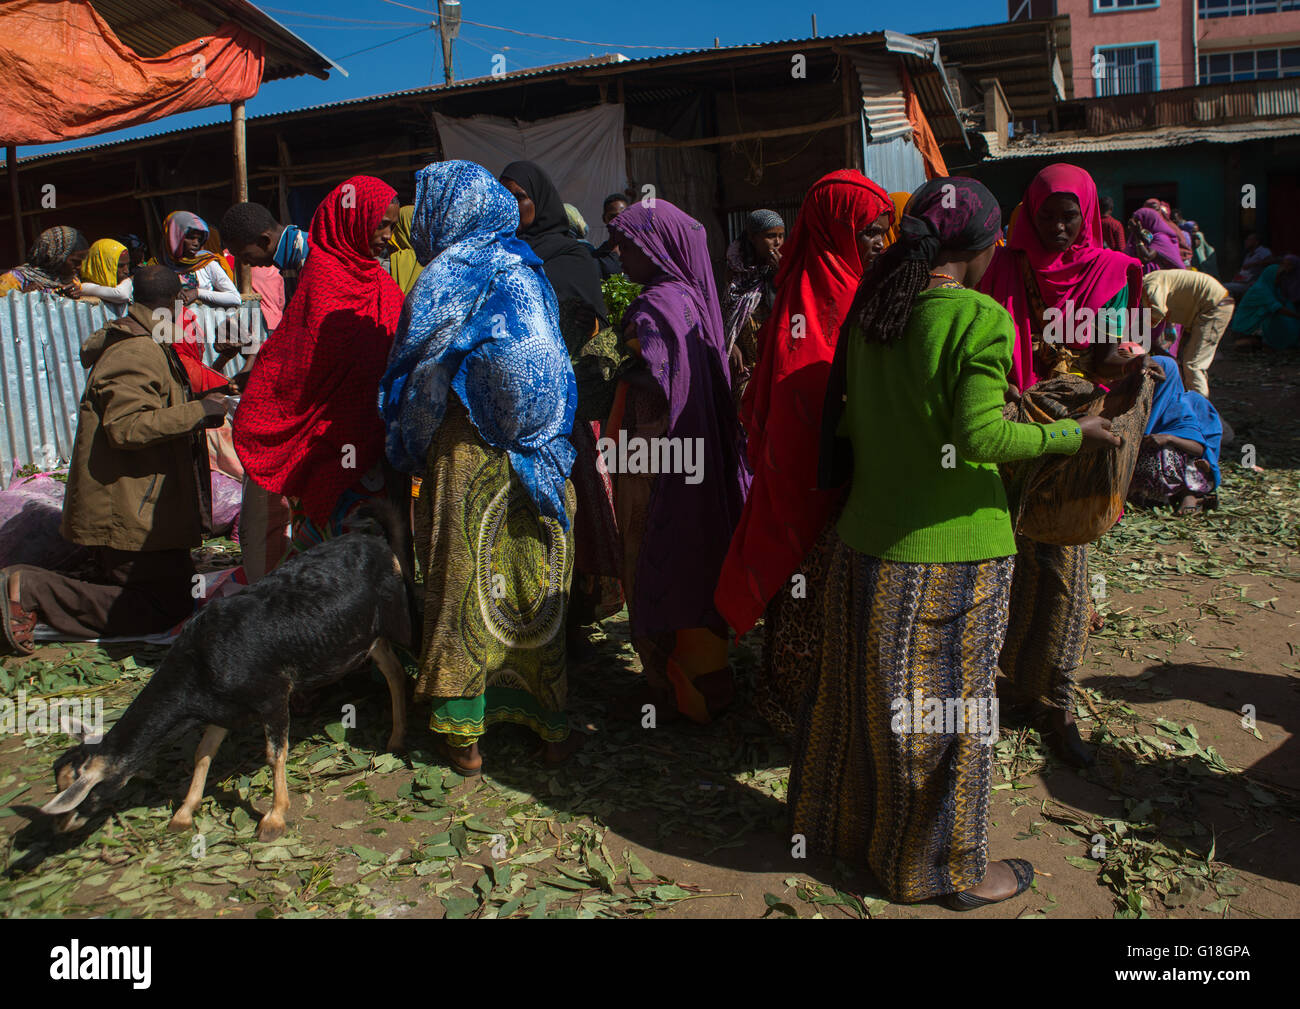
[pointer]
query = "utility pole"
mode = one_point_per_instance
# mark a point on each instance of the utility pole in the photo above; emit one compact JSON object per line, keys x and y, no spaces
{"x":448,"y":28}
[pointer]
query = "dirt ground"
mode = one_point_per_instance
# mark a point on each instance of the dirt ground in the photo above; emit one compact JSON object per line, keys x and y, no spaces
{"x":1190,"y":812}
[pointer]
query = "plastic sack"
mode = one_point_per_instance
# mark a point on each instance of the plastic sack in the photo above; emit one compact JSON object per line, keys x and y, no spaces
{"x":1071,"y":500}
{"x":31,"y":509}
{"x":227,"y":493}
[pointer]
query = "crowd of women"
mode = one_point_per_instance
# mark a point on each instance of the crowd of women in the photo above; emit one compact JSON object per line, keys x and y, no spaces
{"x":859,"y":389}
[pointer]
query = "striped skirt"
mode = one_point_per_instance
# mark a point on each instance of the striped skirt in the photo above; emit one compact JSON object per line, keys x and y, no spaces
{"x":865,"y":784}
{"x":1047,"y":637}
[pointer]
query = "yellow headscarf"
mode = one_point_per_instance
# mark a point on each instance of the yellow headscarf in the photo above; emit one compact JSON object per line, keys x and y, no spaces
{"x":900,"y":201}
{"x":100,"y":266}
{"x":402,"y":264}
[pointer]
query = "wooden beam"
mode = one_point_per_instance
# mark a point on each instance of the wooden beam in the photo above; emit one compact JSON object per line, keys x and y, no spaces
{"x":731,"y":138}
{"x":240,"y":177}
{"x":11,"y":163}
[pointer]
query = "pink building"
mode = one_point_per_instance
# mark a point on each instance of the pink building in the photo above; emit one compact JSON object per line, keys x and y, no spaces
{"x":1127,"y":46}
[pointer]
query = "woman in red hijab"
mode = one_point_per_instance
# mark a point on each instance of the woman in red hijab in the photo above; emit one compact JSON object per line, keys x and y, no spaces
{"x":841,"y":228}
{"x":1054,"y":266}
{"x":308,"y":424}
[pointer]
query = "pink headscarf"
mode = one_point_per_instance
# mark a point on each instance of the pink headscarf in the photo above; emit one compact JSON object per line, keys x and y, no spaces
{"x":1087,"y":273}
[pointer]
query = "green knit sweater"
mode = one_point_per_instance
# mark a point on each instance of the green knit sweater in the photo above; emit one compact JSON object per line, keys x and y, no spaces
{"x":924,"y":417}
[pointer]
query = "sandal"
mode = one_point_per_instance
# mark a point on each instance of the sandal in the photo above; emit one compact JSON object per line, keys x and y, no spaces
{"x":964,"y":900}
{"x":18,"y":623}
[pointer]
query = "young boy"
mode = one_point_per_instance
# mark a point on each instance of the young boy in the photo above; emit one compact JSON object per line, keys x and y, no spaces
{"x":1198,"y":303}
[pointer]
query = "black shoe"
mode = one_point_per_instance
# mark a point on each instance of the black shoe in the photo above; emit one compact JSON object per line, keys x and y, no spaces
{"x":964,"y":900}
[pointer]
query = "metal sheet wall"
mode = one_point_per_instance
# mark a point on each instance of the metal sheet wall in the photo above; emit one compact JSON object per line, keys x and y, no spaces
{"x":41,"y":378}
{"x":894,"y":165}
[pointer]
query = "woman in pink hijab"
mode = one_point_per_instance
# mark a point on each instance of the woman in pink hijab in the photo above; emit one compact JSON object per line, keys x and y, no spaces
{"x":1054,"y":265}
{"x":1053,"y":276}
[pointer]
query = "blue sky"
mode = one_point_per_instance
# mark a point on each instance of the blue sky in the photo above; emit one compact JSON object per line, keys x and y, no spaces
{"x":336,"y":28}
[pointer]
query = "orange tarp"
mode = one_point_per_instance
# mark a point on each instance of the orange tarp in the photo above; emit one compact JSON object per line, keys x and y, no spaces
{"x":64,"y":74}
{"x":922,"y":135}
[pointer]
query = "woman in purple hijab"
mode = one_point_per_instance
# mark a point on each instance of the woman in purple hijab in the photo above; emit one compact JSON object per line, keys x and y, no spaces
{"x":674,"y":448}
{"x":1153,"y":241}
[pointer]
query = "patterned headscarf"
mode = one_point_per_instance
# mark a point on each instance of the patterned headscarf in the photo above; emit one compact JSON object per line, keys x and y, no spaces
{"x":48,"y":257}
{"x":481,"y":322}
{"x":957,"y":214}
{"x":101,"y":262}
{"x":177,"y":225}
{"x":759,"y":221}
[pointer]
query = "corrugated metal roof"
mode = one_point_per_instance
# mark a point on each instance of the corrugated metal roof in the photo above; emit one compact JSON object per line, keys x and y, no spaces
{"x":152,"y":27}
{"x":1054,"y":144}
{"x":601,"y":65}
{"x":882,"y":97}
{"x":41,"y":378}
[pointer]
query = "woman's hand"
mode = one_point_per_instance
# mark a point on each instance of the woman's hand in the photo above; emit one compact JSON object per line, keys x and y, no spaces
{"x":1155,"y":369}
{"x":190,"y":295}
{"x":1012,"y":394}
{"x":1098,"y":429}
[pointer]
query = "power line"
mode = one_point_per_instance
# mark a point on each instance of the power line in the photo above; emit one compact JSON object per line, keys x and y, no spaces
{"x":388,"y":43}
{"x":357,"y":28}
{"x":554,"y":38}
{"x":331,"y":17}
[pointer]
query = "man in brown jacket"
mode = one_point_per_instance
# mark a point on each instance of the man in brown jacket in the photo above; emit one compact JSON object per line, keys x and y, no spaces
{"x":138,"y":484}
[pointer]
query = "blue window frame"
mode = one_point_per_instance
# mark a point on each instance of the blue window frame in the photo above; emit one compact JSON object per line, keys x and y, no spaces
{"x":1242,"y":8}
{"x":1111,"y":6}
{"x":1128,"y":69}
{"x":1249,"y":65}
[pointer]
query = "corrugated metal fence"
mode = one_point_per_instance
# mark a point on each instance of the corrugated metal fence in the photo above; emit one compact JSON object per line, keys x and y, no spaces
{"x":41,"y":378}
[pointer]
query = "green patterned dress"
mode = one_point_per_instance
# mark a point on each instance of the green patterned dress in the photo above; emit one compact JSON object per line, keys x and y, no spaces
{"x":497,"y":580}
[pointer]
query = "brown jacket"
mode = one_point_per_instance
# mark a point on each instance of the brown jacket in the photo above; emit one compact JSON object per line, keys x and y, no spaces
{"x":139,"y":476}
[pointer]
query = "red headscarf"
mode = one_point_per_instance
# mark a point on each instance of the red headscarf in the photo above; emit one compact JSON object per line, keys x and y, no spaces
{"x":1087,"y":273}
{"x":782,"y":409}
{"x":310,"y":406}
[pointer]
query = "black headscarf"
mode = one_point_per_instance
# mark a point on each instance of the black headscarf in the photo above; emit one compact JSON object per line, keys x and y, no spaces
{"x":568,"y":263}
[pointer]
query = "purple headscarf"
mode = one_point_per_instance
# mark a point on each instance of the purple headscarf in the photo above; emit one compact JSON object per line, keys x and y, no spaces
{"x":1164,"y":241}
{"x":678,"y":323}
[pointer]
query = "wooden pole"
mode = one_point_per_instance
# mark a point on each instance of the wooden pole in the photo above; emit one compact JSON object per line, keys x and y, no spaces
{"x":282,"y":154}
{"x":11,"y":167}
{"x":241,"y":180}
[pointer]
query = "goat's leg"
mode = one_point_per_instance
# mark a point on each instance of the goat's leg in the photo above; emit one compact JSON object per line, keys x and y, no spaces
{"x":393,"y":672}
{"x":184,"y":816}
{"x":277,"y":752}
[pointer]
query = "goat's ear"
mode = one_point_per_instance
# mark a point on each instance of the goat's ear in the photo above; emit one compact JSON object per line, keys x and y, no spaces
{"x":75,"y":794}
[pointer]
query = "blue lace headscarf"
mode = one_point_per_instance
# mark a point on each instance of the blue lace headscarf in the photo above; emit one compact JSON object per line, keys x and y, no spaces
{"x":482,"y":320}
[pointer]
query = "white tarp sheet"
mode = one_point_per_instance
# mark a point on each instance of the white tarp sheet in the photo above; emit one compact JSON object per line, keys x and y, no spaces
{"x":582,"y":152}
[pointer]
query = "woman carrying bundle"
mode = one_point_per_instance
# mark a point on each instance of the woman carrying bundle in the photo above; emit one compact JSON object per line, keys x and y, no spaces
{"x":918,"y":569}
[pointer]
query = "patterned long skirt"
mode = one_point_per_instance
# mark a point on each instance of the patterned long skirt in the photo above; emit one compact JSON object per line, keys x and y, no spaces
{"x":792,"y":640}
{"x":1165,"y":475}
{"x":865,"y":786}
{"x":597,"y":552}
{"x":1047,"y":637}
{"x":496,"y":583}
